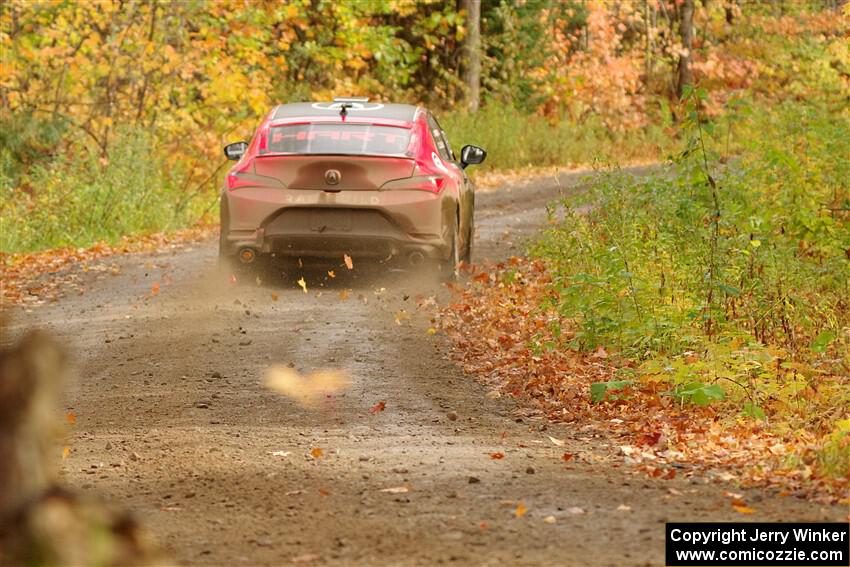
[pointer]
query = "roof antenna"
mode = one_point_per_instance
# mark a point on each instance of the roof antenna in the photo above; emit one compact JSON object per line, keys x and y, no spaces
{"x":343,"y":110}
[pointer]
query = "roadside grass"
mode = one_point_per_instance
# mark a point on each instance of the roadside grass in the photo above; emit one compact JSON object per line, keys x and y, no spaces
{"x":715,"y":291}
{"x":58,"y":192}
{"x":75,"y":197}
{"x":727,"y":284}
{"x":515,"y":140}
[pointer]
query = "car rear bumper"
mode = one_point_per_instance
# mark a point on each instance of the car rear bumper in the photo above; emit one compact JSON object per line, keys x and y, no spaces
{"x":378,"y":225}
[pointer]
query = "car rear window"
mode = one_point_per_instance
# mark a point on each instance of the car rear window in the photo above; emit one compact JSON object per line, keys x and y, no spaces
{"x":353,"y":139}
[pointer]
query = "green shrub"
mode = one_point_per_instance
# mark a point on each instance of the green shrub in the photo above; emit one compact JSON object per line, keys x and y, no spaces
{"x":515,"y":139}
{"x":755,"y":300}
{"x":80,"y":198}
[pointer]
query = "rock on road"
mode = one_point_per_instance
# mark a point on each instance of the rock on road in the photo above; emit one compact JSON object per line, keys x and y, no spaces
{"x":174,"y":423}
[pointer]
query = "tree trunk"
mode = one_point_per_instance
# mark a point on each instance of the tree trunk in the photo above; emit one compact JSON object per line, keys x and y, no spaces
{"x":686,"y":30}
{"x":472,"y":74}
{"x":647,"y":55}
{"x":729,"y":9}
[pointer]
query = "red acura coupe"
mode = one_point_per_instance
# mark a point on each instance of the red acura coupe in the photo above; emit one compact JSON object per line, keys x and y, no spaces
{"x":374,"y":181}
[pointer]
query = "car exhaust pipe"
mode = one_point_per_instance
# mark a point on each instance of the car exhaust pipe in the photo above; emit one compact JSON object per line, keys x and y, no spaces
{"x":416,"y":258}
{"x":247,"y":255}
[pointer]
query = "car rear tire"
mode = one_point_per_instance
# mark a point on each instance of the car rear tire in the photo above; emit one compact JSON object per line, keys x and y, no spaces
{"x":467,"y":250}
{"x":449,"y":268}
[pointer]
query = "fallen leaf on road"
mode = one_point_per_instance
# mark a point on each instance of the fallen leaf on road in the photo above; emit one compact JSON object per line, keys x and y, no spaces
{"x":324,"y":492}
{"x":280,"y":453}
{"x":556,"y":442}
{"x":549,"y":519}
{"x":274,"y":296}
{"x":395,"y":490}
{"x":317,"y":453}
{"x":65,"y":452}
{"x":155,"y":289}
{"x":497,"y":456}
{"x":380,"y":406}
{"x":624,"y":508}
{"x":401,"y":316}
{"x":432,"y":331}
{"x":71,"y":417}
{"x":520,"y":510}
{"x":575,"y":510}
{"x":349,"y":263}
{"x":306,"y":390}
{"x":305,"y":558}
{"x":231,"y":279}
{"x":741,"y":509}
{"x":303,"y":284}
{"x":567,"y":457}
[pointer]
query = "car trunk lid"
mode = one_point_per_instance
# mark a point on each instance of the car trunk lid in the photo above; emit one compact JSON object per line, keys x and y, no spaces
{"x":334,"y":173}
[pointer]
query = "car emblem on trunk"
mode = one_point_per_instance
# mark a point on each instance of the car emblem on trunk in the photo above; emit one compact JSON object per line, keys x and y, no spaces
{"x":332,"y":177}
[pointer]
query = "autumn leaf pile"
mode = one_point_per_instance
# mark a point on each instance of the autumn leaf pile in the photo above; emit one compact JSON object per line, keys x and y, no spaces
{"x":497,"y":318}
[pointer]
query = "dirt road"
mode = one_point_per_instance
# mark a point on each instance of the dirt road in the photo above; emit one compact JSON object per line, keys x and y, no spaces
{"x":173,"y":422}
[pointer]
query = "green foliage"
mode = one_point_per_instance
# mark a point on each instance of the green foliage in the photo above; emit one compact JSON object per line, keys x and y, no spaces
{"x":515,"y":139}
{"x":600,"y":391}
{"x":698,"y":393}
{"x":25,"y":139}
{"x":716,"y":270}
{"x":81,"y":198}
{"x":834,"y":457}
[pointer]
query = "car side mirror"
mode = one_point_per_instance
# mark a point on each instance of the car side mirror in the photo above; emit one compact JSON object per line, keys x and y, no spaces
{"x":235,"y":151}
{"x":472,"y":155}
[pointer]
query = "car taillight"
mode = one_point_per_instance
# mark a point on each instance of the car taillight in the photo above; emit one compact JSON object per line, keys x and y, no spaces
{"x":437,"y":183}
{"x":431,"y":183}
{"x":234,"y":177}
{"x":263,"y":145}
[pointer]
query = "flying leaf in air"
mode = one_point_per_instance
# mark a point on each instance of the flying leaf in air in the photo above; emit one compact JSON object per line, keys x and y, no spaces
{"x":155,"y":289}
{"x":317,"y":453}
{"x":307,"y":390}
{"x":379,"y":407}
{"x":349,"y":263}
{"x":520,"y":510}
{"x":302,"y":284}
